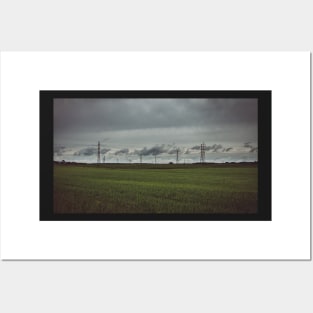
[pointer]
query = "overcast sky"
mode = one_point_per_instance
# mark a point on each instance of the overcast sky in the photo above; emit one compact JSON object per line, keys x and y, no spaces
{"x":128,"y":128}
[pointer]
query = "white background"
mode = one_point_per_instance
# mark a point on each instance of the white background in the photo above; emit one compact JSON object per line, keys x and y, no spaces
{"x":150,"y":286}
{"x":25,"y":237}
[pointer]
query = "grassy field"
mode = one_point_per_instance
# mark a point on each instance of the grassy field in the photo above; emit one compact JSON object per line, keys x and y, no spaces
{"x":123,"y":188}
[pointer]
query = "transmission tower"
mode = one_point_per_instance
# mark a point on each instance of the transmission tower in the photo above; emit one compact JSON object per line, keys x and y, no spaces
{"x":202,"y":153}
{"x":99,"y":161}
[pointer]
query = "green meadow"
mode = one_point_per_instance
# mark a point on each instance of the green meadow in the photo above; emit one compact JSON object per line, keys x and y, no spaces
{"x":148,"y":188}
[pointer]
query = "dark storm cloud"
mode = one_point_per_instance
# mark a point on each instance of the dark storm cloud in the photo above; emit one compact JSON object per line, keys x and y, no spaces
{"x":121,"y":114}
{"x":90,"y":151}
{"x":158,"y":149}
{"x":195,"y":148}
{"x":221,"y":148}
{"x":250,"y":146}
{"x":122,"y":151}
{"x":155,"y":150}
{"x":213,"y":148}
{"x":86,"y":151}
{"x":105,"y":150}
{"x":174,"y":151}
{"x":173,"y":148}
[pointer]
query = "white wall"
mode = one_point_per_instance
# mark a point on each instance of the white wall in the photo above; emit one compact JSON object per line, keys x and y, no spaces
{"x":61,"y":286}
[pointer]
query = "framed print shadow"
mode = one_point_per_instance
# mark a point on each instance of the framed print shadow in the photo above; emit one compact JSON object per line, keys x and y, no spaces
{"x":155,"y":155}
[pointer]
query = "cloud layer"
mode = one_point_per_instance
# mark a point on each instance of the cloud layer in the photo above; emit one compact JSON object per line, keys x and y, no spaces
{"x":130,"y":128}
{"x":118,"y":114}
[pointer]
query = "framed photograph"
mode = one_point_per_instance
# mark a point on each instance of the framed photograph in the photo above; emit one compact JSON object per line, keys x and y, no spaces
{"x":155,"y":155}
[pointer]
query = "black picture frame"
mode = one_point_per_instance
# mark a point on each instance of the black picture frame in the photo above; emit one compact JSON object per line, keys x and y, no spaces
{"x":264,"y":97}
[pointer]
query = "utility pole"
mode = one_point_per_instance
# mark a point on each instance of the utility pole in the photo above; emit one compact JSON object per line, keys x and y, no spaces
{"x":202,"y":153}
{"x":99,"y":161}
